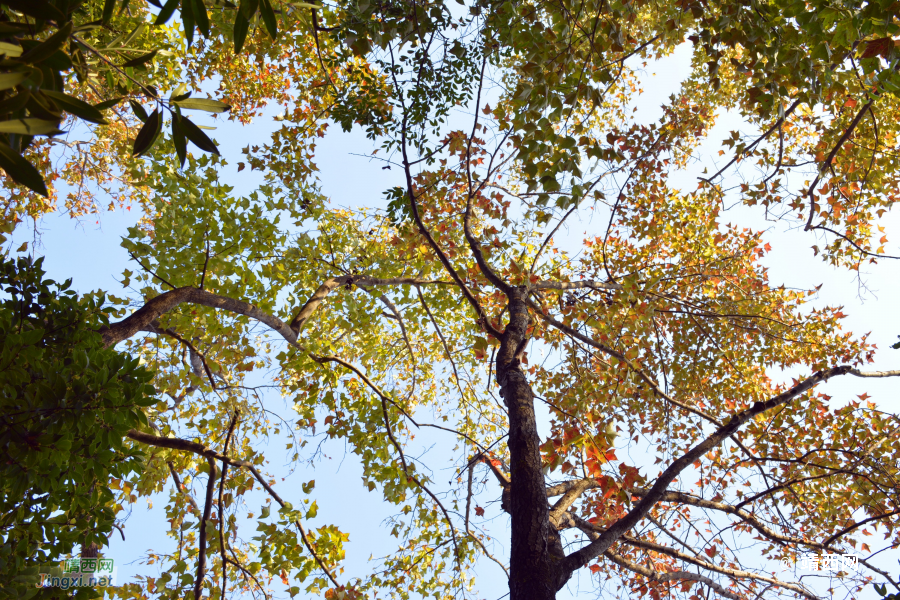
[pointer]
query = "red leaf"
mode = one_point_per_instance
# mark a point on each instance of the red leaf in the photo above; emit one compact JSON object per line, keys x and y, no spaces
{"x":880,"y":47}
{"x":479,"y":511}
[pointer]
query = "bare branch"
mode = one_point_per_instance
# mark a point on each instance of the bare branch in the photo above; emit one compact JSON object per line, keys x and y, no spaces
{"x":211,"y":455}
{"x":221,"y":505}
{"x":207,"y":507}
{"x":828,"y":160}
{"x":581,"y":557}
{"x":654,"y":575}
{"x":574,"y":285}
{"x":307,"y":310}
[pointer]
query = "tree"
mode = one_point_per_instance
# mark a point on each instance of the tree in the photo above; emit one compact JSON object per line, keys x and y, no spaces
{"x":67,"y":405}
{"x":662,"y":335}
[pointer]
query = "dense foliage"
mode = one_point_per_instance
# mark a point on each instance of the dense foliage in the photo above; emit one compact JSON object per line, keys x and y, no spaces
{"x":66,"y":404}
{"x":681,"y":461}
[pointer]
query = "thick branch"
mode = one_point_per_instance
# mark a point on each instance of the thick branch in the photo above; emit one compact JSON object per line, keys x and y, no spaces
{"x":185,"y":445}
{"x":207,"y":507}
{"x":144,"y":316}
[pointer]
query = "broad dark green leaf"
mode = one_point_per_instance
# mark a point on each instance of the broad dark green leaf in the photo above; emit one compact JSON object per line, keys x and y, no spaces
{"x":15,"y":103}
{"x":21,"y":171}
{"x":200,"y":15}
{"x":8,"y":80}
{"x":213,"y":106}
{"x":138,"y":111}
{"x":241,"y":26}
{"x":108,"y":7}
{"x":109,"y":103}
{"x":268,"y":15}
{"x":10,"y":50}
{"x":179,"y":140}
{"x":30,"y":126}
{"x":17,"y":28}
{"x":58,"y":61}
{"x":77,"y":107}
{"x":89,"y":26}
{"x":248,"y":8}
{"x":187,"y":19}
{"x":48,"y":47}
{"x":196,"y":135}
{"x":39,"y":9}
{"x":42,"y":107}
{"x":148,"y":134}
{"x":134,"y":34}
{"x":166,"y":12}
{"x":140,"y":60}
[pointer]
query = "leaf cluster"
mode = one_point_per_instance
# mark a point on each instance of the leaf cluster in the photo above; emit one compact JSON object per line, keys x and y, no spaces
{"x":65,"y":406}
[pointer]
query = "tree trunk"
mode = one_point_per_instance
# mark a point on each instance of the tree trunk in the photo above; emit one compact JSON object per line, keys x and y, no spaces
{"x":536,"y":549}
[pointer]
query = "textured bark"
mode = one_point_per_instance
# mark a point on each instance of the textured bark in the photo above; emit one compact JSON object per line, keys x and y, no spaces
{"x":536,"y":550}
{"x":144,"y":316}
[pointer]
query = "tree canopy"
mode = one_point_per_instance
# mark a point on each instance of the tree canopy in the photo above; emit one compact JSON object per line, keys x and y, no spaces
{"x":689,"y":453}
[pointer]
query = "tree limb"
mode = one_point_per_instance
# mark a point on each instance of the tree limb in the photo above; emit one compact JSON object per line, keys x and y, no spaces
{"x":582,"y":556}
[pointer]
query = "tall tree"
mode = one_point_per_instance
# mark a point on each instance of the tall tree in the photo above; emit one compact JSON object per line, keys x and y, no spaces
{"x":659,"y":335}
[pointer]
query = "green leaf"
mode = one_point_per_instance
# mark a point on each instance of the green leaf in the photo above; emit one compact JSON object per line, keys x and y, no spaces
{"x":140,"y":60}
{"x":10,"y":50}
{"x":106,"y":104}
{"x":200,"y":139}
{"x":48,"y":47}
{"x":241,"y":26}
{"x":199,"y":10}
{"x":268,"y":15}
{"x":187,"y":19}
{"x":17,"y":28}
{"x":213,"y":106}
{"x":178,"y":139}
{"x":21,"y":171}
{"x":134,"y":34}
{"x":108,"y":7}
{"x":248,"y":8}
{"x":77,"y":107}
{"x":179,"y":93}
{"x":8,"y":80}
{"x":138,"y":111}
{"x":15,"y":103}
{"x":29,"y":126}
{"x":166,"y":13}
{"x":148,"y":134}
{"x":264,"y":512}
